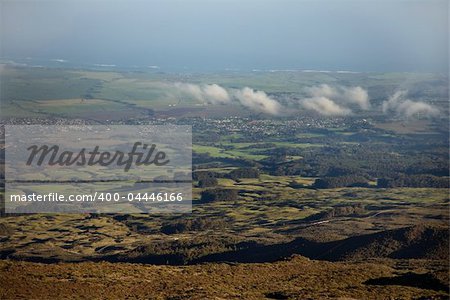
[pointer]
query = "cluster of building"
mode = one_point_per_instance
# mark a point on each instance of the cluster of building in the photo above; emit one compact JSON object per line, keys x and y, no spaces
{"x":226,"y":125}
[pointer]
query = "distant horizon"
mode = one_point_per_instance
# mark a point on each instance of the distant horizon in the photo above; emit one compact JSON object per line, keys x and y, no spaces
{"x":64,"y":63}
{"x":201,"y":35}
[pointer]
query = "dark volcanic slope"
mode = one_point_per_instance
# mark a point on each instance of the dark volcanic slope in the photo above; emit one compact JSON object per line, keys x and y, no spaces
{"x":420,"y":241}
{"x":415,"y":242}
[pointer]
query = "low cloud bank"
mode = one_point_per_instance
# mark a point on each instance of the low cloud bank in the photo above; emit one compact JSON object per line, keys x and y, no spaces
{"x":326,"y":100}
{"x":401,"y":105}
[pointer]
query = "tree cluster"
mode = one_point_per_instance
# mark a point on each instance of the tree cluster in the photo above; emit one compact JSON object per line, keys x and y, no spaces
{"x":340,"y":181}
{"x":218,"y":194}
{"x":418,"y":181}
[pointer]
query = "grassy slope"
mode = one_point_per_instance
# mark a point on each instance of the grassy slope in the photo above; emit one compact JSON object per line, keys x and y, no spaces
{"x":293,"y":279}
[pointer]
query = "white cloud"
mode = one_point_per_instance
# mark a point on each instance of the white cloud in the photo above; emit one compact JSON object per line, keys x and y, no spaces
{"x":216,"y":93}
{"x":342,"y":95}
{"x":357,"y":95}
{"x":211,"y":93}
{"x":258,"y":101}
{"x":324,"y":106}
{"x":399,"y":104}
{"x":393,"y":101}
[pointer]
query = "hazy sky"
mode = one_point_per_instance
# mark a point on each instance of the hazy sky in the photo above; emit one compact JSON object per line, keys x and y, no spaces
{"x":245,"y":34}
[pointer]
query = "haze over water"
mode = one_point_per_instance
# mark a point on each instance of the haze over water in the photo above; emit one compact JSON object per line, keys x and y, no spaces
{"x":202,"y":35}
